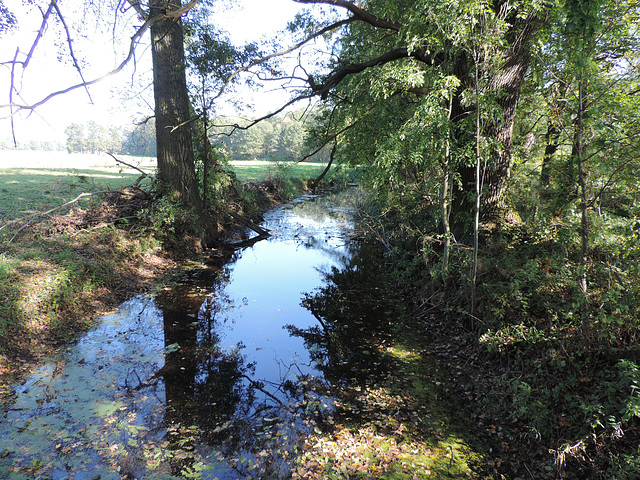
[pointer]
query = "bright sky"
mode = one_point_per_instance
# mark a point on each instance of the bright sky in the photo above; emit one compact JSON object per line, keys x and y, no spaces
{"x":248,"y":21}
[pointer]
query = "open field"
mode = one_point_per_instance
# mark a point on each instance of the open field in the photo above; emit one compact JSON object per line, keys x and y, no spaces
{"x":32,"y":181}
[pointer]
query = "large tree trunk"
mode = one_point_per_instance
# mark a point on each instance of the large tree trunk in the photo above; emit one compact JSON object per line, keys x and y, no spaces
{"x":505,"y":86}
{"x":176,"y":164}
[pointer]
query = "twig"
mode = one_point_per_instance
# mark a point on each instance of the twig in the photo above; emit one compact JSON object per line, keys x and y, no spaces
{"x":70,"y":43}
{"x":144,"y":174}
{"x":257,"y":386}
{"x":531,"y":474}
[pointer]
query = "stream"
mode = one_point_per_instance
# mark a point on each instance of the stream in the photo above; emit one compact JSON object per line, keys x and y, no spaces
{"x":221,"y":376}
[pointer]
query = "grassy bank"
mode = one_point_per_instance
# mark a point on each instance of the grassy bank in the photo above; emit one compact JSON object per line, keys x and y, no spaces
{"x":38,"y":181}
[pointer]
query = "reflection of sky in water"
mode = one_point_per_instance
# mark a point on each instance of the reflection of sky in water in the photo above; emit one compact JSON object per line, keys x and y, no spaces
{"x":101,"y":406}
{"x":266,"y":285}
{"x":80,"y":398}
{"x":272,"y":285}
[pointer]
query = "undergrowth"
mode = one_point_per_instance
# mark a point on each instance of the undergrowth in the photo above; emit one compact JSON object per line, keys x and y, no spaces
{"x":559,"y":371}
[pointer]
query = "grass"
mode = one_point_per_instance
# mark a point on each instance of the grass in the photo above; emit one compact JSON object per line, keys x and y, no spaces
{"x":256,"y":171}
{"x":38,"y":181}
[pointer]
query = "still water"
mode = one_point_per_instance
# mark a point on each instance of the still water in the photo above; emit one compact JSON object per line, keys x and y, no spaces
{"x":218,"y":377}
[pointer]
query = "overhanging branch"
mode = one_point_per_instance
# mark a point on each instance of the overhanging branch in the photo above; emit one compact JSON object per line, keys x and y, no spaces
{"x":338,"y":75}
{"x":358,"y":13}
{"x":132,"y":46}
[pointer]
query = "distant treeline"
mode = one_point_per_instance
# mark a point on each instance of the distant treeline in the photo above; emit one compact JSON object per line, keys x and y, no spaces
{"x":91,"y":137}
{"x":277,"y":138}
{"x":44,"y":145}
{"x":281,"y":138}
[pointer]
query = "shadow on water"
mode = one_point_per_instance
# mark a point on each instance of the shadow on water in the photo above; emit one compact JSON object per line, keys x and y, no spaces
{"x":355,"y":312}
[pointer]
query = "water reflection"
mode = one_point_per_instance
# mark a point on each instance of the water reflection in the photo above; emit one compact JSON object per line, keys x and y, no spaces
{"x":200,"y":380}
{"x":354,"y":312}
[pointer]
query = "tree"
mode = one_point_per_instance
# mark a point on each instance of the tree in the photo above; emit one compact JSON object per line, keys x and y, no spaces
{"x":163,"y":18}
{"x":593,"y":125}
{"x":409,"y":62}
{"x":176,"y":165}
{"x":141,"y":140}
{"x":76,"y":141}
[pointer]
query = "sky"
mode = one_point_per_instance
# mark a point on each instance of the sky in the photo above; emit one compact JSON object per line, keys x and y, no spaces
{"x":249,"y":21}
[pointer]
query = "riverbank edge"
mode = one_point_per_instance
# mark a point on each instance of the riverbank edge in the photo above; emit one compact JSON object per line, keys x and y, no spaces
{"x":57,"y":284}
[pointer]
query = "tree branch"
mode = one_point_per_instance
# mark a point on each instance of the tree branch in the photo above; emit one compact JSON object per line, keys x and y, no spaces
{"x":358,"y":13}
{"x":40,"y":34}
{"x":338,"y":75}
{"x":132,"y":46}
{"x":266,"y":58}
{"x":51,"y":210}
{"x":143,"y":173}
{"x":70,"y":43}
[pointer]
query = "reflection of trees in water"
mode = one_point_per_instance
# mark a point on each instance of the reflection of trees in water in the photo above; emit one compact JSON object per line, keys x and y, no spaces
{"x":203,"y":382}
{"x":355,"y":311}
{"x":211,"y":394}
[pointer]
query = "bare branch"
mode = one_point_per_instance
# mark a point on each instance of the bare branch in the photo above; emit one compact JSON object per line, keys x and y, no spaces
{"x":40,"y":34}
{"x":142,"y":172}
{"x":28,"y":218}
{"x":333,"y":137}
{"x":316,"y":181}
{"x":70,"y":43}
{"x":132,"y":46}
{"x":266,"y":58}
{"x":235,"y":126}
{"x":11,"y":90}
{"x":135,"y":4}
{"x":358,"y":13}
{"x":182,"y":10}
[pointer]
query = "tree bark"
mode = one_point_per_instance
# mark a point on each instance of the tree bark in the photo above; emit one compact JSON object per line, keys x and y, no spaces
{"x":176,"y":163}
{"x":505,"y":86}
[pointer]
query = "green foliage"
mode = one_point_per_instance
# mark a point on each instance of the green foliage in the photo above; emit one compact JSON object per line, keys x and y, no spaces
{"x":170,"y":221}
{"x":8,"y":20}
{"x":279,"y":138}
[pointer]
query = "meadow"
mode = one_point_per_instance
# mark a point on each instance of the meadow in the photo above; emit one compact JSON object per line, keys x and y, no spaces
{"x":35,"y":181}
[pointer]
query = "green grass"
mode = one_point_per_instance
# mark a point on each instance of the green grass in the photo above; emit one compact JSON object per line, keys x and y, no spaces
{"x":25,"y":191}
{"x":37,"y":181}
{"x":256,"y":171}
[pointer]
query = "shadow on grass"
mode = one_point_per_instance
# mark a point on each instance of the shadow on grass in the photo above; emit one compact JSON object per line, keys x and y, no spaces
{"x":25,"y":191}
{"x":393,"y":419}
{"x":53,"y":287}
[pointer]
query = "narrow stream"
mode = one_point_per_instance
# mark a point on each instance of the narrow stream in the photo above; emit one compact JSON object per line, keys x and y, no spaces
{"x":218,"y":377}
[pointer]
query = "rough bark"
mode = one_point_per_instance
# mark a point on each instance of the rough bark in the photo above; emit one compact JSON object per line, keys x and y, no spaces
{"x":176,"y":164}
{"x":504,"y":86}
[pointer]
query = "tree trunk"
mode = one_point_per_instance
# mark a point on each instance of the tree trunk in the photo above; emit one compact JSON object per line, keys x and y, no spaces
{"x":176,"y":163}
{"x":505,"y":86}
